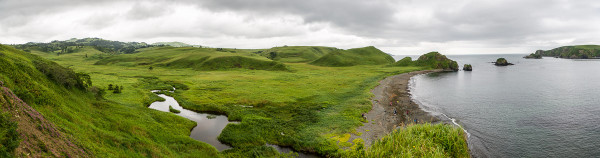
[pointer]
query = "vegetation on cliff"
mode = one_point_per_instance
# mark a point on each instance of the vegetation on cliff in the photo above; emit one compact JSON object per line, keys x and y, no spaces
{"x":536,"y":55}
{"x":572,"y":52}
{"x":502,"y":62}
{"x":432,"y":60}
{"x":468,"y":67}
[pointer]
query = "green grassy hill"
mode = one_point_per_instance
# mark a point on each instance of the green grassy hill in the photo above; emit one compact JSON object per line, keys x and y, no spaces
{"x":433,"y":60}
{"x":572,"y":52}
{"x":102,"y":128}
{"x":296,"y":54}
{"x":195,"y":58}
{"x":357,"y":56}
{"x":173,"y":44}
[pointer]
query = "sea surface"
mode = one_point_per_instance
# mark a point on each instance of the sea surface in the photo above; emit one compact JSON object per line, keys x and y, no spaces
{"x":536,"y":108}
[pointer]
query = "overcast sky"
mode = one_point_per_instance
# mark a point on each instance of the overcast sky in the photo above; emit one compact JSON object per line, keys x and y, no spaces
{"x":395,"y":26}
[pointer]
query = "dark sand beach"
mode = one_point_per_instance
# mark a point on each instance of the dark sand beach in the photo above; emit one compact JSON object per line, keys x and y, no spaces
{"x":391,"y":95}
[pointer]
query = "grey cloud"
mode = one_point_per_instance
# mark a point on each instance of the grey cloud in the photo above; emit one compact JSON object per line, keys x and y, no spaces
{"x":358,"y":16}
{"x":142,"y":11}
{"x":391,"y":22}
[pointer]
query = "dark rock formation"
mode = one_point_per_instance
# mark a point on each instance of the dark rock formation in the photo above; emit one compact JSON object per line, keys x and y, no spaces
{"x":536,"y":55}
{"x":502,"y":62}
{"x":468,"y":67}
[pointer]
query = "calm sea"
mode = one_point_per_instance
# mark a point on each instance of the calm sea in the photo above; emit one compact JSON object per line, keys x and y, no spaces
{"x":536,"y":108}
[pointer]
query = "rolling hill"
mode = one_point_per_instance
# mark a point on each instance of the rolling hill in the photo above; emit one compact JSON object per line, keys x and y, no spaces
{"x":357,"y":56}
{"x":195,"y":58}
{"x":296,"y":54}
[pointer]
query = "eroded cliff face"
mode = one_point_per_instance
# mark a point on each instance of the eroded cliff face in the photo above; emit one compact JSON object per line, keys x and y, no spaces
{"x":39,"y":137}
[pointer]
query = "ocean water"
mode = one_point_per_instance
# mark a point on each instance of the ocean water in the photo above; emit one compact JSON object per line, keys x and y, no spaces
{"x":536,"y":108}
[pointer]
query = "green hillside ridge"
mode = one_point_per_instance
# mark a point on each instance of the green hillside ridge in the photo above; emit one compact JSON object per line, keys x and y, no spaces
{"x":572,"y":52}
{"x":72,"y":45}
{"x":174,"y":44}
{"x":433,"y":60}
{"x":101,"y":127}
{"x":195,"y":58}
{"x":296,"y":54}
{"x":357,"y":56}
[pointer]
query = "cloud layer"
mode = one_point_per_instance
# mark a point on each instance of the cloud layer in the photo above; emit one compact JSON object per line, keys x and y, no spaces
{"x":395,"y":26}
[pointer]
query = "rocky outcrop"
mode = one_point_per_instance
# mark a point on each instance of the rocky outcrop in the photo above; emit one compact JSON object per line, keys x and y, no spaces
{"x":467,"y":67}
{"x":39,"y":137}
{"x":502,"y":62}
{"x":572,"y":52}
{"x":536,"y":55}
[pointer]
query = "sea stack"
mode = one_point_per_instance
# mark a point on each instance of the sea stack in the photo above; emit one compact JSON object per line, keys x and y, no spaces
{"x":468,"y":67}
{"x":502,"y":62}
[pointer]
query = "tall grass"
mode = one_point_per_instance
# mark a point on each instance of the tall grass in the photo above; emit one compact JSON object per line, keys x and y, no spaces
{"x":420,"y":140}
{"x":118,"y":127}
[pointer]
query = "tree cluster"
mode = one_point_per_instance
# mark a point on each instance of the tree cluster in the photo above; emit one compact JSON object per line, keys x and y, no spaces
{"x":69,"y":46}
{"x":115,"y":88}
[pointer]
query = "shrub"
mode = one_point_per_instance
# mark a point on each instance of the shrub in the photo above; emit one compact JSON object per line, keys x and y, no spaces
{"x":63,"y":76}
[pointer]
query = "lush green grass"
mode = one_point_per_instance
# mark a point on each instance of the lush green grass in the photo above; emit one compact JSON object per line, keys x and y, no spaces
{"x":9,"y":138}
{"x":195,"y":58}
{"x":118,"y":127}
{"x":173,"y":110}
{"x":357,"y":56}
{"x":301,"y":108}
{"x":296,"y":54}
{"x":420,"y":140}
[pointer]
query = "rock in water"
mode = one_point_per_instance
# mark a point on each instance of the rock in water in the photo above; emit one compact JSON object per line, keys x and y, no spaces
{"x":468,"y":67}
{"x":502,"y":62}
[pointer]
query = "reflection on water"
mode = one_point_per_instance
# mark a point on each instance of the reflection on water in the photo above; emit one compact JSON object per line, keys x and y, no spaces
{"x":207,"y":130}
{"x":209,"y":126}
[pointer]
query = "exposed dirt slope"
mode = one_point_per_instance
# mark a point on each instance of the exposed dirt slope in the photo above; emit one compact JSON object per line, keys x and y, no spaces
{"x":39,"y":137}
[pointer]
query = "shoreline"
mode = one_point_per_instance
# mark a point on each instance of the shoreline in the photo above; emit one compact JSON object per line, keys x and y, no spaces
{"x":391,"y":94}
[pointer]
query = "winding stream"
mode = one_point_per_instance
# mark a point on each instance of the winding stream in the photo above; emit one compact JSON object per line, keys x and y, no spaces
{"x":208,"y":126}
{"x":207,"y":130}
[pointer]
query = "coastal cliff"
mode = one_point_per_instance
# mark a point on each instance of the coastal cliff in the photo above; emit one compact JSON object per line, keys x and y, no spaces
{"x":572,"y":52}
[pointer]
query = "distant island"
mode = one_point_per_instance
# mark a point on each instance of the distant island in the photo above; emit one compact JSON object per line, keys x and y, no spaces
{"x":502,"y":62}
{"x":569,"y":52}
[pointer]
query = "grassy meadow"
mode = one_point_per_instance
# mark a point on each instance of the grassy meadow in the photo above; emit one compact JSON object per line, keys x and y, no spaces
{"x":294,"y":103}
{"x":106,"y":128}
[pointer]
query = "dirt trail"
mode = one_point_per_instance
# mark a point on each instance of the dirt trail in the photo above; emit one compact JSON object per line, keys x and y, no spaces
{"x":392,"y":94}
